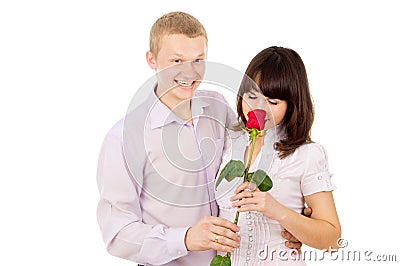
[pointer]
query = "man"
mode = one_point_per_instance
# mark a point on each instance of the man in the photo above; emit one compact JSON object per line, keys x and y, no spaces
{"x":158,"y":164}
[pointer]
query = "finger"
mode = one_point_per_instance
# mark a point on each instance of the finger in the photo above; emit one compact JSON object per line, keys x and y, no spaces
{"x":248,"y":208}
{"x":307,"y":212}
{"x":289,"y":237}
{"x":222,"y":222}
{"x":243,"y":186}
{"x":244,"y":194}
{"x":294,"y":245}
{"x":220,"y":247}
{"x":225,"y":241}
{"x":246,"y":200}
{"x":226,"y":233}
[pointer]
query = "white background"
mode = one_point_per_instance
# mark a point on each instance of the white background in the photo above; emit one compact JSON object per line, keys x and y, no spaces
{"x":68,"y":70}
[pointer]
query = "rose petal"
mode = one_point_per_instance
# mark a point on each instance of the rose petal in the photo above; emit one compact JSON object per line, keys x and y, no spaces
{"x":256,"y":119}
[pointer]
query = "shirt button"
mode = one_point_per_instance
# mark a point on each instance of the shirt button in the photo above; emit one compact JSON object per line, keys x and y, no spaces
{"x":179,"y":252}
{"x":319,"y":177}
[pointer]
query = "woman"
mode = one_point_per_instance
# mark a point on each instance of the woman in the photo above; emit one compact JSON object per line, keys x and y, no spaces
{"x":297,"y":166}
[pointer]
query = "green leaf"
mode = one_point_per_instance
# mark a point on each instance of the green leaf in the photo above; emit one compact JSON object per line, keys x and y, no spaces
{"x":262,"y":180}
{"x":231,"y":170}
{"x":220,"y":261}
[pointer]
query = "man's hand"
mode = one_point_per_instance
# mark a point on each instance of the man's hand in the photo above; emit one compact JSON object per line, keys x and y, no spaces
{"x":212,"y":233}
{"x":307,"y":212}
{"x":293,"y":242}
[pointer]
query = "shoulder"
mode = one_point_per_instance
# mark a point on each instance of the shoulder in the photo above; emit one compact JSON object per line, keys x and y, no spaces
{"x":210,"y":94}
{"x":128,"y":124}
{"x":135,"y":119}
{"x":313,"y":155}
{"x":115,"y":131}
{"x":216,"y":105}
{"x":237,"y":136}
{"x":311,"y":149}
{"x":310,"y":154}
{"x":215,"y":102}
{"x":213,"y":98}
{"x":235,"y":142}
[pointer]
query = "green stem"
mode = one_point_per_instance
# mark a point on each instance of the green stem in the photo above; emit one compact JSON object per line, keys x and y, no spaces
{"x":236,"y":217}
{"x":253,"y":135}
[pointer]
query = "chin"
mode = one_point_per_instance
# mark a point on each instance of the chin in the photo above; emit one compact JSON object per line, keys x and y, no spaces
{"x":268,"y":126}
{"x":187,"y":91}
{"x":185,"y":95}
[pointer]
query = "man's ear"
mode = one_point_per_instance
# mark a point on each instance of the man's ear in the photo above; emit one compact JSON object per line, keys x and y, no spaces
{"x":151,"y":60}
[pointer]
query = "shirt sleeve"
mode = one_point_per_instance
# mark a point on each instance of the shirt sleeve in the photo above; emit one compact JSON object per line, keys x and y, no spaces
{"x":316,"y":177}
{"x":120,"y":217}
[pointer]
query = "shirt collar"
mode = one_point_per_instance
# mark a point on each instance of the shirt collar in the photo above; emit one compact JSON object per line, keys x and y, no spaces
{"x":198,"y":103}
{"x":277,"y":133}
{"x":160,"y":115}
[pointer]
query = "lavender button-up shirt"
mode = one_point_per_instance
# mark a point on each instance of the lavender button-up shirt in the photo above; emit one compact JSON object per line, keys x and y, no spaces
{"x":156,"y":177}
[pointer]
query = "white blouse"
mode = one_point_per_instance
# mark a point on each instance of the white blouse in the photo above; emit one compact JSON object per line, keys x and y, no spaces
{"x":302,"y":173}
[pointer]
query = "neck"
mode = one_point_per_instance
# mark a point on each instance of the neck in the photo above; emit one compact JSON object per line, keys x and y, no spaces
{"x":181,"y":108}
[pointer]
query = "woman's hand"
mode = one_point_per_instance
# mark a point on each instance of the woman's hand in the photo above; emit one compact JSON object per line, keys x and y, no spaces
{"x":256,"y":200}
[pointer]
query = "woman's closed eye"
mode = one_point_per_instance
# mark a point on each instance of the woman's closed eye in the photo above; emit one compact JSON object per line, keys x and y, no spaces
{"x":252,"y":96}
{"x":272,"y":101}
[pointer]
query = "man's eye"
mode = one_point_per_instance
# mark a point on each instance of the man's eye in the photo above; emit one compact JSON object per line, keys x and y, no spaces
{"x":198,"y":60}
{"x":178,"y":61}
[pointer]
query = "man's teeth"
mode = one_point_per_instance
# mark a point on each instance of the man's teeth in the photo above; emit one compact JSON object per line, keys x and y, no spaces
{"x":185,"y":83}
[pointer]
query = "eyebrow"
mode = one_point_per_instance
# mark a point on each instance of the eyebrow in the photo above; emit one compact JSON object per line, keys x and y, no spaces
{"x":254,"y":90}
{"x":181,"y":55}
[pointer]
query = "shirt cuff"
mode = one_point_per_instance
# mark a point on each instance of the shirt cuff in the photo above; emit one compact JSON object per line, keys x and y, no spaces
{"x":176,"y":242}
{"x":318,"y":183}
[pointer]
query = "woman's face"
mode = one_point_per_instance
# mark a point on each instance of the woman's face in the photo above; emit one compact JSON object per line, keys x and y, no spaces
{"x":275,"y":108}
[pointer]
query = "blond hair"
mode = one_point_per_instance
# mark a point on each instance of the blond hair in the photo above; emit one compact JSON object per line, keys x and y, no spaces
{"x":174,"y":23}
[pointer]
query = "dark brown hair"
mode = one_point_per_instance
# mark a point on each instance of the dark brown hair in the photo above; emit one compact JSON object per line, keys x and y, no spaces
{"x":280,"y":74}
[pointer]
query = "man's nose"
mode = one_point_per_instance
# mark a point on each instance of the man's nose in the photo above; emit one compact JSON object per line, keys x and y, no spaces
{"x":193,"y":70}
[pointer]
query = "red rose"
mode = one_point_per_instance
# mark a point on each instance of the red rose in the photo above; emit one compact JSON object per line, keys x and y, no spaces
{"x":256,"y":119}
